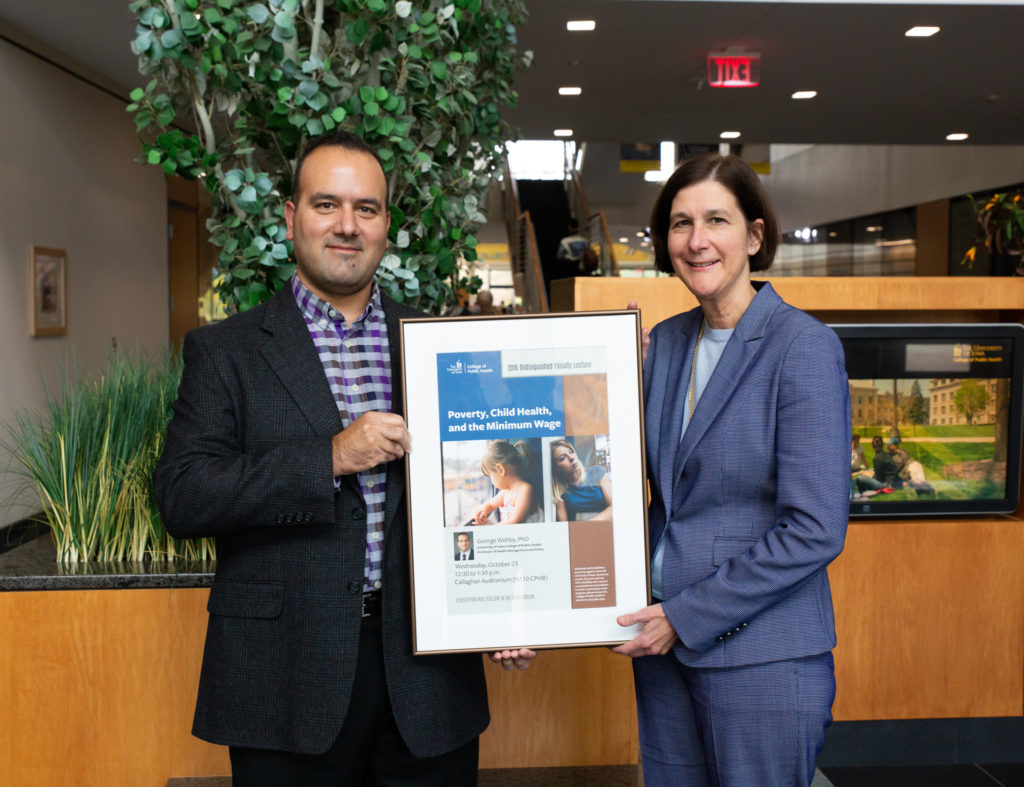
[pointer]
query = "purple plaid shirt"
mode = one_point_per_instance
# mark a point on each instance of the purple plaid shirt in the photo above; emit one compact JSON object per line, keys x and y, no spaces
{"x":357,"y":361}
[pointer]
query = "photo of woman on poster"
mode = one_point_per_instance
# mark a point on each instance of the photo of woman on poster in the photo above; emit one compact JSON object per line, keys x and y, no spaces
{"x":579,"y":492}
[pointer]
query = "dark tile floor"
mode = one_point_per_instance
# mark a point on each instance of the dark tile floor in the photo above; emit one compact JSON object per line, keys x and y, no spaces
{"x":974,"y":775}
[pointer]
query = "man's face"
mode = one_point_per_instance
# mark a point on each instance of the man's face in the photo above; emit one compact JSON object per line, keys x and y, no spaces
{"x":463,"y":542}
{"x":339,"y":223}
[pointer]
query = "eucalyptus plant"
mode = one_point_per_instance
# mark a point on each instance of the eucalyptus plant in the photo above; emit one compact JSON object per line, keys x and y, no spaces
{"x":425,"y":82}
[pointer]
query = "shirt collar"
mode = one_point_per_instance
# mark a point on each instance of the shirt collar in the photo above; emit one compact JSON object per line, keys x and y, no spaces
{"x":316,"y":308}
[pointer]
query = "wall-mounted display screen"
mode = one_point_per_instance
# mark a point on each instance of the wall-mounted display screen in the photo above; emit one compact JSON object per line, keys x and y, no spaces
{"x":936,"y":418}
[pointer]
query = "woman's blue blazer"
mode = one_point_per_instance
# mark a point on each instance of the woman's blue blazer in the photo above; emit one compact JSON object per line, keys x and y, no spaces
{"x":753,"y":502}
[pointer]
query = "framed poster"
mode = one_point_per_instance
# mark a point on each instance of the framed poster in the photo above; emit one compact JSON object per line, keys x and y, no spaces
{"x":49,"y":280}
{"x":526,"y":481}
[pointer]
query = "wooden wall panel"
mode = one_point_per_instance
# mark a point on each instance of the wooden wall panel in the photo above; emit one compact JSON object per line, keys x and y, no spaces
{"x":99,"y":688}
{"x":932,"y":257}
{"x":571,"y":707}
{"x":857,"y":298}
{"x":929,"y":619}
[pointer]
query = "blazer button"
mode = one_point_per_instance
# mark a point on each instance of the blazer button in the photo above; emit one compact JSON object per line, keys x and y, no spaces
{"x":355,"y":587}
{"x":358,"y":513}
{"x":279,"y":519}
{"x":289,"y":518}
{"x":308,"y":517}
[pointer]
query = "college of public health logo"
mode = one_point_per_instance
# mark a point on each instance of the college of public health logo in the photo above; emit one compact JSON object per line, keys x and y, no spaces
{"x":455,"y":368}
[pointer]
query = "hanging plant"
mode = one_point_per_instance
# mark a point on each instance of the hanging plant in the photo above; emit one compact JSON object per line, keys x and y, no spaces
{"x":425,"y":82}
{"x":1000,"y":226}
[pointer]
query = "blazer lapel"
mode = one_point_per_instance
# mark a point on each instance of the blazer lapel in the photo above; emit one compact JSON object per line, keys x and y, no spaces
{"x":293,"y":357}
{"x":672,"y":408}
{"x":740,"y":350}
{"x":395,"y":485}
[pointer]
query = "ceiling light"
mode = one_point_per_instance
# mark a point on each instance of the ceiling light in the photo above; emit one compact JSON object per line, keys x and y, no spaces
{"x":623,"y":240}
{"x":656,"y":176}
{"x":729,"y":134}
{"x":569,"y":91}
{"x":921,"y":32}
{"x":640,"y":234}
{"x":874,"y":229}
{"x":577,"y":25}
{"x":563,"y":132}
{"x":804,"y":94}
{"x":957,"y":137}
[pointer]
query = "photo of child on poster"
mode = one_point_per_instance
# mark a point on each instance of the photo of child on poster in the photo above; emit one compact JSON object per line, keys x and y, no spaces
{"x":492,"y":482}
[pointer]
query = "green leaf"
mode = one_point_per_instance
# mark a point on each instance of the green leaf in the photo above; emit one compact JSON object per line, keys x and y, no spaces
{"x":284,"y":93}
{"x":212,"y":16}
{"x":264,"y":185}
{"x":172,"y":38}
{"x":318,"y":102}
{"x":371,"y":108}
{"x":339,"y":114}
{"x":153,"y":157}
{"x":356,"y":32}
{"x":233,"y":180}
{"x":308,"y":88}
{"x":366,"y":93}
{"x":314,"y":126}
{"x":439,"y":70}
{"x":137,"y":94}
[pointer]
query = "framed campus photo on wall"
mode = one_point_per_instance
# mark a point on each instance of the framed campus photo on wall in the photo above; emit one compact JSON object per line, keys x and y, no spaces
{"x":48,"y":279}
{"x":527,"y":493}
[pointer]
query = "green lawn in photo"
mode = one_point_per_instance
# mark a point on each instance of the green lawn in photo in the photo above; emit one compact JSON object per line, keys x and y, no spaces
{"x":910,"y":431}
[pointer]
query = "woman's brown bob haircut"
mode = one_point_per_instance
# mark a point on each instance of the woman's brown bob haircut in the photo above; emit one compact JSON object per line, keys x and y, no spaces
{"x":744,"y":184}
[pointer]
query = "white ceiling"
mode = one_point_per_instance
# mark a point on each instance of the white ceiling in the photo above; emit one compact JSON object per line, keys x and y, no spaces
{"x":641,"y":70}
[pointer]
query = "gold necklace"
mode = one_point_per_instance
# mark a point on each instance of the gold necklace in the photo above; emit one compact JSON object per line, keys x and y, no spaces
{"x":693,"y":366}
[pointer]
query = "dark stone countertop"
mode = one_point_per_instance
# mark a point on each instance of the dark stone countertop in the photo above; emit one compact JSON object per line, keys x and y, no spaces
{"x":34,"y":566}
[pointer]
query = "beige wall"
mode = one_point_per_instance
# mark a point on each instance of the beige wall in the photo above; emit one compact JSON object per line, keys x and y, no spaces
{"x":70,"y":181}
{"x":815,"y":184}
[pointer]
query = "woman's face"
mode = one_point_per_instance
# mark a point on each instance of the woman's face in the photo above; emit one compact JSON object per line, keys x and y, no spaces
{"x":709,"y":242}
{"x":565,"y":461}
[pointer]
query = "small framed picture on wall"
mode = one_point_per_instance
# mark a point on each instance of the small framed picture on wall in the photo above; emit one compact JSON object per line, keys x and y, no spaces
{"x":49,"y":281}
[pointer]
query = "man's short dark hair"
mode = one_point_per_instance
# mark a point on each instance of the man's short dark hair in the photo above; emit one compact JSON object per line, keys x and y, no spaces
{"x":341,"y":139}
{"x":741,"y":181}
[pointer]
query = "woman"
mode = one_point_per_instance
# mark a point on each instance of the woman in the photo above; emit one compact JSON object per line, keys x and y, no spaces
{"x":579,"y":492}
{"x":747,"y":416}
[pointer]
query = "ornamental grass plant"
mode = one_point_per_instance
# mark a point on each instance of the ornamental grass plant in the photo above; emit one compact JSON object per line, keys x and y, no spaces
{"x":89,"y":452}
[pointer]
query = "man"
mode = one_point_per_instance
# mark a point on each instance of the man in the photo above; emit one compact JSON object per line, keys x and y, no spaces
{"x":900,"y":460}
{"x":465,"y":545}
{"x":286,"y":444}
{"x":576,"y":254}
{"x":485,"y":303}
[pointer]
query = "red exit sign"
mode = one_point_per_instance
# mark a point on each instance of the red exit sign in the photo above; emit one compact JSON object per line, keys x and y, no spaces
{"x":729,"y":69}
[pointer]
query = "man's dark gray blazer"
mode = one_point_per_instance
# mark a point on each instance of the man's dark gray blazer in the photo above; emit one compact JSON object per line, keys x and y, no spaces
{"x":248,"y":460}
